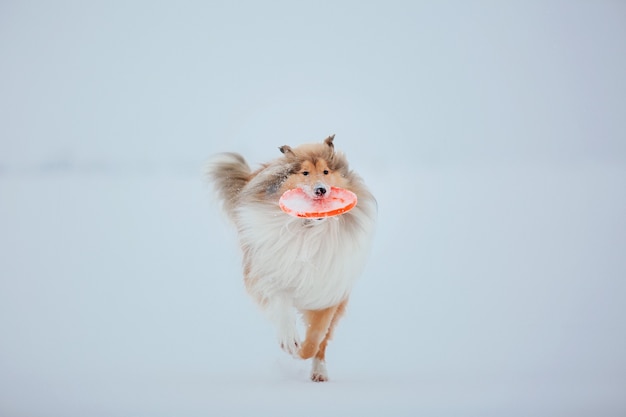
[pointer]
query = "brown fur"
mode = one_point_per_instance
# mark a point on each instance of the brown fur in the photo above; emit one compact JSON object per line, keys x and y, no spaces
{"x":320,"y":327}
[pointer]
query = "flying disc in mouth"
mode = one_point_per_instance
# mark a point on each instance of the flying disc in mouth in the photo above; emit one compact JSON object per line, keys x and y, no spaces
{"x":297,"y":203}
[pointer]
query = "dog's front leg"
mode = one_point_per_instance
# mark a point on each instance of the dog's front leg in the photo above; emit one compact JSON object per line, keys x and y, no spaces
{"x":318,"y":323}
{"x":282,"y":313}
{"x":320,"y":327}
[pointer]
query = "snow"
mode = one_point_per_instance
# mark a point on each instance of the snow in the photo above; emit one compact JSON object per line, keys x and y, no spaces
{"x":491,"y":135}
{"x":122,"y":295}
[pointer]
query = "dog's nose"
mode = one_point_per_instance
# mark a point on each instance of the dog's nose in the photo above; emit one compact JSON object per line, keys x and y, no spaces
{"x":320,"y":191}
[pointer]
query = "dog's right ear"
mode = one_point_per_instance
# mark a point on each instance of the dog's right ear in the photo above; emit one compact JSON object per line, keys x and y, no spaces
{"x":286,"y":149}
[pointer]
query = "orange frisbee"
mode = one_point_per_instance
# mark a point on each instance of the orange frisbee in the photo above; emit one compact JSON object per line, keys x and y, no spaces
{"x":297,"y":203}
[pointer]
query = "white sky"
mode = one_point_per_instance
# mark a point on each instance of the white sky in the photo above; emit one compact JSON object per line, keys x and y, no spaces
{"x":150,"y":82}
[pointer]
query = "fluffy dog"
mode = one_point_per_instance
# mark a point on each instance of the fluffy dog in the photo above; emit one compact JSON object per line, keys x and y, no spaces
{"x":292,"y":264}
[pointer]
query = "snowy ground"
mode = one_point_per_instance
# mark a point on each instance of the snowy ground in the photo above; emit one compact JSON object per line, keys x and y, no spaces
{"x":492,"y":133}
{"x":489,"y":292}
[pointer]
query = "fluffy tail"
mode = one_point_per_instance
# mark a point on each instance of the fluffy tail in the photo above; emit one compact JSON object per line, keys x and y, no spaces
{"x":229,"y":173}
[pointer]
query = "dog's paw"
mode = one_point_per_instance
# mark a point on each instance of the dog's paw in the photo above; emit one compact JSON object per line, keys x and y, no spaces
{"x":315,"y":377}
{"x":319,"y":373}
{"x":290,"y":342}
{"x":290,"y":346}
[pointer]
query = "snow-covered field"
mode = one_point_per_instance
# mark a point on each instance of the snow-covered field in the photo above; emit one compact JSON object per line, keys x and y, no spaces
{"x":489,"y":292}
{"x":493,"y":137}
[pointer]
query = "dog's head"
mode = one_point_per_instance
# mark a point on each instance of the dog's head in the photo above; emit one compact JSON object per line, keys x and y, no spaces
{"x":315,"y":168}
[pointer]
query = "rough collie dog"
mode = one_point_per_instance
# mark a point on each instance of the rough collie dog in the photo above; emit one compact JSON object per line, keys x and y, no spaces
{"x":294,"y":264}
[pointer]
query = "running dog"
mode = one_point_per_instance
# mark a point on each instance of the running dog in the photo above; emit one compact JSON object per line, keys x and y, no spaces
{"x":295,"y":264}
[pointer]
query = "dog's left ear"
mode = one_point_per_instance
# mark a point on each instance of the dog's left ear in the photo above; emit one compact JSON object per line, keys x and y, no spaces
{"x":329,"y":141}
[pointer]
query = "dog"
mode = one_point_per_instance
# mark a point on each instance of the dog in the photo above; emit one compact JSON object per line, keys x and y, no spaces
{"x":295,"y":264}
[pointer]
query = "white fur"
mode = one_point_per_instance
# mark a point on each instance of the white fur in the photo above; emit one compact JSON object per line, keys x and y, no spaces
{"x":318,"y":371}
{"x":280,"y":312}
{"x":312,"y":262}
{"x":309,"y":264}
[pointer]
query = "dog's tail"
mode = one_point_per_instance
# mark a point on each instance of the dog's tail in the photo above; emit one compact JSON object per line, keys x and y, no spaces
{"x":229,"y":173}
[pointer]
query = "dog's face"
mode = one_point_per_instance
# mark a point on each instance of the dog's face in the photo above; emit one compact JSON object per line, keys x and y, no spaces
{"x":315,"y":169}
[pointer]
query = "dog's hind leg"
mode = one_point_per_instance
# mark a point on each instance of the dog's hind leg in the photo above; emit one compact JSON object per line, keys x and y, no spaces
{"x":320,"y":327}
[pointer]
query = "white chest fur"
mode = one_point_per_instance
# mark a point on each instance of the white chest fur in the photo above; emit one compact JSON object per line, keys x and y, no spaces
{"x":313,"y":262}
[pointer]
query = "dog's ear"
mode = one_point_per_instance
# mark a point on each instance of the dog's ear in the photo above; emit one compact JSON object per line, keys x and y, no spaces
{"x":286,"y":149}
{"x":329,"y":141}
{"x":331,"y":147}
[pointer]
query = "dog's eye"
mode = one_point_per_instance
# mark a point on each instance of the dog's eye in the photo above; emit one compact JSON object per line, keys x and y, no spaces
{"x":325,"y":172}
{"x":305,"y":173}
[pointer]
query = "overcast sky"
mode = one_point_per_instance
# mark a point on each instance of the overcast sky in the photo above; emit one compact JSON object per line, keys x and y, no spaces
{"x":161,"y":82}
